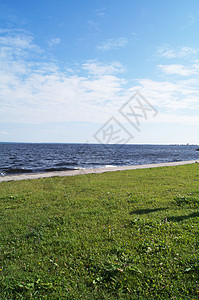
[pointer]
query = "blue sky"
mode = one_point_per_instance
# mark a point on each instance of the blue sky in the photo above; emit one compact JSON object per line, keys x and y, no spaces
{"x":68,"y":67}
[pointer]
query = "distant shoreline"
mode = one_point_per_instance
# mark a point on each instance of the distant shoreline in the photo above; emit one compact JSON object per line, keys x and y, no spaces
{"x":29,"y":176}
{"x":130,"y":144}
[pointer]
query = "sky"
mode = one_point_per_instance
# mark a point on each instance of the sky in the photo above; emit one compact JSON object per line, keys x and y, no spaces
{"x":98,"y":71}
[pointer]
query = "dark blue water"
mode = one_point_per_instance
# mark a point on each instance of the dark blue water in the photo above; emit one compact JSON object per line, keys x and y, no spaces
{"x":33,"y":158}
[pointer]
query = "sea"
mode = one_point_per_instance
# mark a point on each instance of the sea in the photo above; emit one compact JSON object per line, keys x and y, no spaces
{"x":19,"y":158}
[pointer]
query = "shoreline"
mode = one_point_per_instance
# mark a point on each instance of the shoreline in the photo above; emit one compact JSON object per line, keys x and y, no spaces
{"x":29,"y":176}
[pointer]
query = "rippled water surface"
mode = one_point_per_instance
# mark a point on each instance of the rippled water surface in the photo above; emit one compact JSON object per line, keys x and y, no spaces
{"x":33,"y":158}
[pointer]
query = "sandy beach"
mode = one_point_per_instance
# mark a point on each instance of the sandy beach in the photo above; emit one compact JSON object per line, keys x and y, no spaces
{"x":91,"y":171}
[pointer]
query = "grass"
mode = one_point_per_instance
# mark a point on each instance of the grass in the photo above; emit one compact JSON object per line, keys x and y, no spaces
{"x":119,"y":235}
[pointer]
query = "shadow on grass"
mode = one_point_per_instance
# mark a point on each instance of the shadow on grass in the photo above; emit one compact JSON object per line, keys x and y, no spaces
{"x":146,"y":211}
{"x":181,"y":218}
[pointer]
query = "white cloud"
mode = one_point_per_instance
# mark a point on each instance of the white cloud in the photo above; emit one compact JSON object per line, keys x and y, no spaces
{"x":53,"y":42}
{"x":22,"y":42}
{"x":96,"y":68}
{"x":175,"y":102}
{"x":3,"y":132}
{"x":93,"y":24}
{"x":178,"y":69}
{"x":110,"y":44}
{"x":40,"y":92}
{"x":17,"y":44}
{"x":181,"y":52}
{"x":191,"y":20}
{"x":100,"y":11}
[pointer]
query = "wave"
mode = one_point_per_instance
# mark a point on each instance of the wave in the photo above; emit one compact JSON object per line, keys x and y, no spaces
{"x":100,"y":164}
{"x":12,"y":171}
{"x":66,"y":164}
{"x":54,"y":169}
{"x":110,"y":166}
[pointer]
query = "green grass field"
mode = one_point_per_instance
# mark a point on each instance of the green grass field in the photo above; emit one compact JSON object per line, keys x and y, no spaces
{"x":118,"y":235}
